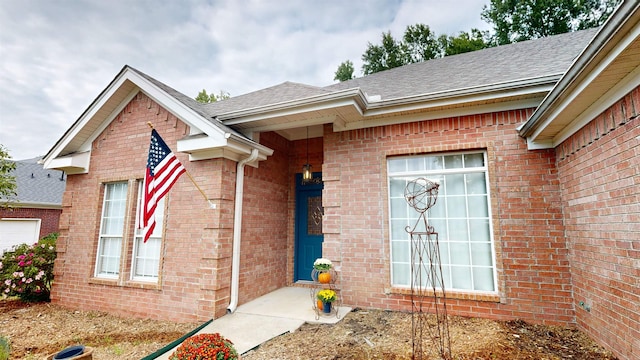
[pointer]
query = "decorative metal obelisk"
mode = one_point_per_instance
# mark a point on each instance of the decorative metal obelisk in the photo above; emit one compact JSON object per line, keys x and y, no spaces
{"x":427,"y":284}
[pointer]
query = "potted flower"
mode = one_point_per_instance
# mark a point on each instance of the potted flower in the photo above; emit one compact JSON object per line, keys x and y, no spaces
{"x":322,"y":267}
{"x":326,"y":296}
{"x":205,"y":346}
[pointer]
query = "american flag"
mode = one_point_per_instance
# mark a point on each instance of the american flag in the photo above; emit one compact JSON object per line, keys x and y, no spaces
{"x":163,"y":170}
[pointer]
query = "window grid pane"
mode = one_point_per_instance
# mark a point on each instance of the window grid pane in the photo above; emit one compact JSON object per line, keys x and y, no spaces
{"x":111,"y":230}
{"x":460,"y":217}
{"x":145,"y":264}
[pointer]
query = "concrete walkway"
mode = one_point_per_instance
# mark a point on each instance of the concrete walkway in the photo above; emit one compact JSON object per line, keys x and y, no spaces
{"x":266,"y":317}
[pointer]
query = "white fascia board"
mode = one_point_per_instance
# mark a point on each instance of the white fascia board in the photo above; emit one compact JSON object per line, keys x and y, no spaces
{"x":347,"y":97}
{"x":604,"y":102}
{"x":77,"y":163}
{"x":454,"y":103}
{"x":466,"y":95}
{"x":613,"y":28}
{"x":35,"y":205}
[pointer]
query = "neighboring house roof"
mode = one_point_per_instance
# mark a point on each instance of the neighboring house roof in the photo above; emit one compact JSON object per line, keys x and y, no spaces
{"x":38,"y":187}
{"x":607,"y":69}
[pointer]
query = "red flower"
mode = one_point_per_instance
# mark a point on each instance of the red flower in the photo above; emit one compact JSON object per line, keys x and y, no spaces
{"x":205,"y":347}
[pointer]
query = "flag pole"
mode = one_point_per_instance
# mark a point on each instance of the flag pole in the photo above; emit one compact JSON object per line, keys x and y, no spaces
{"x":211,"y":204}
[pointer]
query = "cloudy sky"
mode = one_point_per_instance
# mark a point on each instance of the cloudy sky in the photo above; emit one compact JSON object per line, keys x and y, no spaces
{"x":57,"y":56}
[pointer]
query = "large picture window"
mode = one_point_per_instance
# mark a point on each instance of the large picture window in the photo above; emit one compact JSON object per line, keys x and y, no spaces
{"x":461,"y":217}
{"x":114,"y":208}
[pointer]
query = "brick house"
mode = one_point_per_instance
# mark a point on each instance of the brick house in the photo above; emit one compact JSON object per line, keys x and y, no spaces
{"x":536,"y":145}
{"x":35,"y":211}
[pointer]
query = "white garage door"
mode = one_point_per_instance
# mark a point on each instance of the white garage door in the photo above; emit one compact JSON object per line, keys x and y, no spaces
{"x":18,"y":231}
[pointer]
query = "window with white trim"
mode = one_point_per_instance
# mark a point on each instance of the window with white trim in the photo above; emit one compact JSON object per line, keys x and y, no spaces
{"x":145,"y":263}
{"x":114,"y":207}
{"x":461,"y":217}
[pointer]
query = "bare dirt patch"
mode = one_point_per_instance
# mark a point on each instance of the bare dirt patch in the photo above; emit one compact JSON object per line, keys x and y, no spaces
{"x":38,"y":329}
{"x":374,"y":334}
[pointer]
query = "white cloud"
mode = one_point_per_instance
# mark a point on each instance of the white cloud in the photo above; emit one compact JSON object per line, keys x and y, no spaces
{"x":56,"y":57}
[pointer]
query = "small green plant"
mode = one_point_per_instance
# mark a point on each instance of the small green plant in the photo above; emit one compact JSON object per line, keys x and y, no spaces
{"x":117,"y":350}
{"x":27,"y":270}
{"x":5,"y":348}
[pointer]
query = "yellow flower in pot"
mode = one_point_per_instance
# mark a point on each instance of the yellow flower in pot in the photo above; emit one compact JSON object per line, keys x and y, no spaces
{"x":327,"y":296}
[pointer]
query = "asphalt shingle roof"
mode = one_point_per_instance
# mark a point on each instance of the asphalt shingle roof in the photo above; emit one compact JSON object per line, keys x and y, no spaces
{"x":550,"y":56}
{"x":36,"y":185}
{"x":524,"y":60}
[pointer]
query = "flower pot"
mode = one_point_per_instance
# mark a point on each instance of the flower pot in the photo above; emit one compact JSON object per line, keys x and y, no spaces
{"x":326,"y":307}
{"x":87,"y":354}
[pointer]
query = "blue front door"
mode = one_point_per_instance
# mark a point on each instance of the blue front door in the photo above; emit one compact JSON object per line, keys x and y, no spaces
{"x":308,"y":226}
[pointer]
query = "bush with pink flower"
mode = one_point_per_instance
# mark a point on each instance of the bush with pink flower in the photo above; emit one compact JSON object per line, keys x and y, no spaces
{"x":26,"y":271}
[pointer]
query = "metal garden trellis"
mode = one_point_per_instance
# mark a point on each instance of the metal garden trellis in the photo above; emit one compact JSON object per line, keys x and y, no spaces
{"x":427,"y":284}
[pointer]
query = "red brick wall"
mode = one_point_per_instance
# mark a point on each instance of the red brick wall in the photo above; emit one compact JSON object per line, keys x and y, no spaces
{"x":265,"y":222}
{"x":195,"y":274}
{"x":599,"y":170}
{"x":532,"y":259}
{"x":49,"y":218}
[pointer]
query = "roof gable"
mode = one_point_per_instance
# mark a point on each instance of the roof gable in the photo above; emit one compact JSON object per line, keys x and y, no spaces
{"x":71,"y":152}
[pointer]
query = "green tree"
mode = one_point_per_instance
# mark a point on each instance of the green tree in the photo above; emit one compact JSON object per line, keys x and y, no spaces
{"x":420,"y":44}
{"x":519,"y":20}
{"x":8,"y":185}
{"x":205,"y":98}
{"x":388,"y":55}
{"x":345,"y":71}
{"x":464,"y":42}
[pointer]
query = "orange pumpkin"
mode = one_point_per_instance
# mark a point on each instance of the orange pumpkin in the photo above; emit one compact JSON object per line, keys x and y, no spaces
{"x":320,"y":305}
{"x":324,"y":277}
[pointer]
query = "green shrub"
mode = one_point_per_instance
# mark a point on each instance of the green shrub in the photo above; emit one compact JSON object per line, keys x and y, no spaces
{"x":4,"y":348}
{"x":27,"y":270}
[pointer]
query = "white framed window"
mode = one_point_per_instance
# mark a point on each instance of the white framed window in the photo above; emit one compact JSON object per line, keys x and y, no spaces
{"x":461,"y":216}
{"x":114,"y":208}
{"x":145,"y":263}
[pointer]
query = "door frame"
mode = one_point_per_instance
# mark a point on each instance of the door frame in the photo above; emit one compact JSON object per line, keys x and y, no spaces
{"x":313,"y":186}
